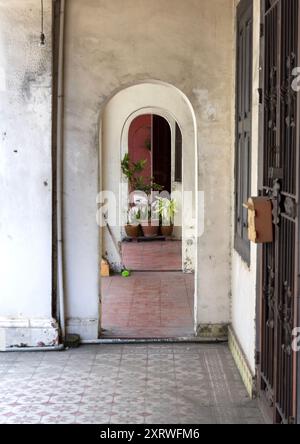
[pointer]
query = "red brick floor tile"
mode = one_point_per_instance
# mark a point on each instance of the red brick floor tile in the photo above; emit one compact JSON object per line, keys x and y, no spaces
{"x":156,"y":256}
{"x":148,"y":305}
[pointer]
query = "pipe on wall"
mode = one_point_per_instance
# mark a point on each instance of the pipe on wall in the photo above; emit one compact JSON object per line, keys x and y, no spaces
{"x":35,"y":349}
{"x":59,"y":166}
{"x":183,"y":340}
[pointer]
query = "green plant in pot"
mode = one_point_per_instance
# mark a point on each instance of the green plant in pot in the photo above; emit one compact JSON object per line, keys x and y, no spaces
{"x":147,"y":187}
{"x":133,"y":172}
{"x":137,"y":182}
{"x":166,"y":208}
{"x":150,"y":221}
{"x":132,"y":228}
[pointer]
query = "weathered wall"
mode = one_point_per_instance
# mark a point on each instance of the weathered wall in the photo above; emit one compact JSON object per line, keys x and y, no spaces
{"x":108,"y":46}
{"x":243,"y":276}
{"x":25,"y":173}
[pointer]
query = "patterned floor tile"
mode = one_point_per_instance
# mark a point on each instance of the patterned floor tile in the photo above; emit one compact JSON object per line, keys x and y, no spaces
{"x":185,"y":384}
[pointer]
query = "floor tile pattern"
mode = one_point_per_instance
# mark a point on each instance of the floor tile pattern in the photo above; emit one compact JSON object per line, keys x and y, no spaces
{"x":129,"y":384}
{"x":148,"y":305}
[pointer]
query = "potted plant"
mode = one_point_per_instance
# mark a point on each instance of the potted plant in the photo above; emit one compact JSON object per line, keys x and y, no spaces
{"x":146,"y":212}
{"x":150,"y":224}
{"x":131,"y":170}
{"x":166,"y":209}
{"x":132,"y":228}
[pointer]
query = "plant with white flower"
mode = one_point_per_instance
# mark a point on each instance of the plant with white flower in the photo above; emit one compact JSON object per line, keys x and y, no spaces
{"x":134,"y":216}
{"x":166,"y":209}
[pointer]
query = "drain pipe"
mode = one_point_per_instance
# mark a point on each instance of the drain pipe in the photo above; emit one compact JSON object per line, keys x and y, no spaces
{"x":59,"y":166}
{"x":51,"y":348}
{"x":183,"y":340}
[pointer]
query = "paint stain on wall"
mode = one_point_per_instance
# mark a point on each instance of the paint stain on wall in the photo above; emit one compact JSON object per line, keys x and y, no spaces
{"x":208,"y":110}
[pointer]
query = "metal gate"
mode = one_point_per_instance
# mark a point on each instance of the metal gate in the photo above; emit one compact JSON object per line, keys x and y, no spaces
{"x":279,"y":295}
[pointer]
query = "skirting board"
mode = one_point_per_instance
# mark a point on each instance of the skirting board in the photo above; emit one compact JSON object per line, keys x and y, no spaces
{"x":242,"y":363}
{"x":86,"y":328}
{"x":213,"y":331}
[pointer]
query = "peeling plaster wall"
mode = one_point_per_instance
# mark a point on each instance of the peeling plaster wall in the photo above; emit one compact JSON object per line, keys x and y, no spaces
{"x":113,"y":44}
{"x":243,"y":276}
{"x":25,"y":173}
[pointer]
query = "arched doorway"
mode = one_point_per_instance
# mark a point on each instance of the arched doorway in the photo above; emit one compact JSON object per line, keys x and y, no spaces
{"x":160,"y":101}
{"x":154,"y":143}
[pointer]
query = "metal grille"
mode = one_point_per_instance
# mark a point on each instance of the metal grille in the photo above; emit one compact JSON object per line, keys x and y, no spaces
{"x":281,"y":166}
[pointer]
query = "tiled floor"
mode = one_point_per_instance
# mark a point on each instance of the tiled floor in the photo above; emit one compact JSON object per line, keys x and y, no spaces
{"x":148,"y":256}
{"x":148,"y":305}
{"x":185,"y":384}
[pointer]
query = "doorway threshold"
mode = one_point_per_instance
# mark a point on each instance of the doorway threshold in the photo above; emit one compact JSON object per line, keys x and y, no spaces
{"x":181,"y":340}
{"x":145,"y":239}
{"x":157,"y":271}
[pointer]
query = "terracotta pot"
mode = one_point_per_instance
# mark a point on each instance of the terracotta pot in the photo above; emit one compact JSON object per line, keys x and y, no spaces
{"x":167,"y":230}
{"x":132,"y":230}
{"x":150,"y":230}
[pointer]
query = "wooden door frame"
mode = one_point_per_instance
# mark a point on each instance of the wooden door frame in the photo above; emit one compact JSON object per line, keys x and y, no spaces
{"x":241,"y":245}
{"x":157,"y":122}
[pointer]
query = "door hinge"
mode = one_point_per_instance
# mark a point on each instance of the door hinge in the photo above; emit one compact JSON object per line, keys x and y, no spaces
{"x":262,"y":30}
{"x":260,"y":96}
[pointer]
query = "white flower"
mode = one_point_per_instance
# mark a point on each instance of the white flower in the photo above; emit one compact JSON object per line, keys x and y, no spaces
{"x":134,"y":216}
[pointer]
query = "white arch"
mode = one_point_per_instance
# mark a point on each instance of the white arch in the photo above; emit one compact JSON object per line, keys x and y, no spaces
{"x":150,"y":97}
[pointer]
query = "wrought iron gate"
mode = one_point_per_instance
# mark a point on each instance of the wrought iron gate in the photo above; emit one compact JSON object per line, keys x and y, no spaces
{"x":278,"y":363}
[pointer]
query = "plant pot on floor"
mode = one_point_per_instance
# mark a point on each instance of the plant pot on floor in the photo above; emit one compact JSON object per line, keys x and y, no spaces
{"x":132,"y":230}
{"x":167,"y":230}
{"x":150,"y":230}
